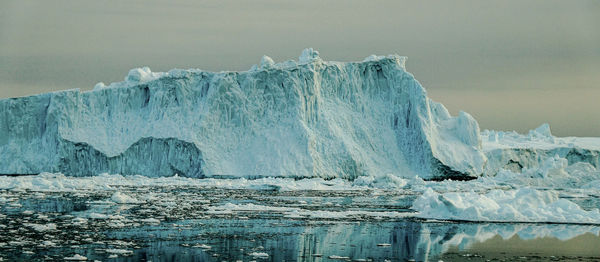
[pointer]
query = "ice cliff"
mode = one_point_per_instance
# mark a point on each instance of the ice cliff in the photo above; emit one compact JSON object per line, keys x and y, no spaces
{"x":306,"y":118}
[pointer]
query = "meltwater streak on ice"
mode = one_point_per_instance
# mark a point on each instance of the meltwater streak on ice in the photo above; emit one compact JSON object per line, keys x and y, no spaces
{"x":309,"y":118}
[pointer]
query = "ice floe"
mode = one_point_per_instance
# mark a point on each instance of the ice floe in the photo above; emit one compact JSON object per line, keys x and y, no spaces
{"x":522,"y":205}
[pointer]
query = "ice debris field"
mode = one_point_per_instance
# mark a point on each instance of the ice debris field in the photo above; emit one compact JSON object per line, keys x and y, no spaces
{"x":303,"y":141}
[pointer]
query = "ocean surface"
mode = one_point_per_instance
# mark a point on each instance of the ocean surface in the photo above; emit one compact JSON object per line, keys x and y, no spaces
{"x":263,"y":222}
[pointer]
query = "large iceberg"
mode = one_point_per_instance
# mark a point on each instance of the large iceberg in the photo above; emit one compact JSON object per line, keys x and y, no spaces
{"x":306,"y":118}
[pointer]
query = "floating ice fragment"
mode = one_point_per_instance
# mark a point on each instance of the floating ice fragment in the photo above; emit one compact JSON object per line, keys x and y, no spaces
{"x":97,"y":216}
{"x":522,"y":205}
{"x":121,"y":198}
{"x":47,"y":243}
{"x":79,"y":221}
{"x":259,"y":254}
{"x":42,"y":228}
{"x":388,"y":181}
{"x":202,"y":246}
{"x":338,"y":257}
{"x":76,"y":257}
{"x":123,"y":252}
{"x":150,"y":220}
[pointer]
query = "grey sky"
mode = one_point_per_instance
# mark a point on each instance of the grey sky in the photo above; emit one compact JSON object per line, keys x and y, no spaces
{"x":512,"y":64}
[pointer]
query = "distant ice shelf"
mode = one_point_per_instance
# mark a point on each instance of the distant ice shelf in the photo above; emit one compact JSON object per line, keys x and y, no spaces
{"x":510,"y":151}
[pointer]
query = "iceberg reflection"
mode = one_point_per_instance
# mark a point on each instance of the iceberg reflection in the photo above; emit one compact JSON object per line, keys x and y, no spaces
{"x":315,"y":241}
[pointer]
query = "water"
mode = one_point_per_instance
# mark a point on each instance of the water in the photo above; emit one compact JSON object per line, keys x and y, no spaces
{"x":178,"y":223}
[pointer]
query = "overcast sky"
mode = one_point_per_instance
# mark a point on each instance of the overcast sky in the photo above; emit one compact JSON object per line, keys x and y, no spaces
{"x":512,"y":64}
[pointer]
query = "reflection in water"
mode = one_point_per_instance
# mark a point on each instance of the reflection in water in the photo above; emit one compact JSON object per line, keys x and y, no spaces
{"x":315,"y":241}
{"x":456,"y":237}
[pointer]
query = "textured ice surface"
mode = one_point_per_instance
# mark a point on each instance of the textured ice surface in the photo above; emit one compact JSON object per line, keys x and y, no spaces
{"x":61,"y":183}
{"x":522,"y":205}
{"x":518,"y":152}
{"x":309,"y":118}
{"x":554,"y":193}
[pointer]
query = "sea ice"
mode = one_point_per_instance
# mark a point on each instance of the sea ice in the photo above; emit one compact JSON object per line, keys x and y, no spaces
{"x":521,"y":205}
{"x":76,"y":257}
{"x":121,"y":198}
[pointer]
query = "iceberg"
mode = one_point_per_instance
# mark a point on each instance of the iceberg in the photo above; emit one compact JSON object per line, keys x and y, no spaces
{"x":510,"y":151}
{"x":308,"y":118}
{"x":522,"y":205}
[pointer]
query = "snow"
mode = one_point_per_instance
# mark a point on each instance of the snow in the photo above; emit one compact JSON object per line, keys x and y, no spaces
{"x":522,"y":205}
{"x":310,"y":118}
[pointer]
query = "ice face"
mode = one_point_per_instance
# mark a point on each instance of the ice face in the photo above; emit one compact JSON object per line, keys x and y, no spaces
{"x":294,"y":119}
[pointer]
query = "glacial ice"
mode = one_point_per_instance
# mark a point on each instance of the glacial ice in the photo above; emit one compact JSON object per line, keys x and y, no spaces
{"x":518,"y":152}
{"x":309,"y":118}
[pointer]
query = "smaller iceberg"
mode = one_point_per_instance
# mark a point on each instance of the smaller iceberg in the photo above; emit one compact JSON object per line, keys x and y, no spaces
{"x":522,"y":205}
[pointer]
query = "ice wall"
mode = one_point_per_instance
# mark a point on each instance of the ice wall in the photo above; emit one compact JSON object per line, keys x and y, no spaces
{"x":309,"y":118}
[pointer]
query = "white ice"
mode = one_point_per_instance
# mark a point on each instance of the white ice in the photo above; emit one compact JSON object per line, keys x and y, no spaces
{"x":521,"y":205}
{"x":305,"y":118}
